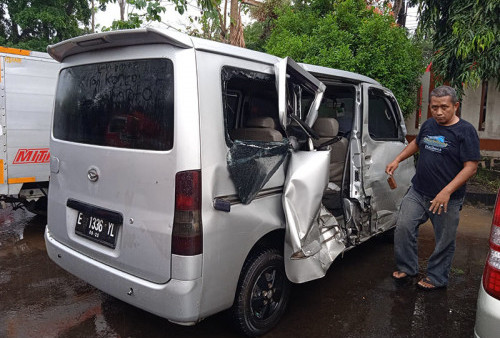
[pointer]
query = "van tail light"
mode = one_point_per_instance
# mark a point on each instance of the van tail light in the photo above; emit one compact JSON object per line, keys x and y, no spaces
{"x":187,"y":238}
{"x":491,"y":275}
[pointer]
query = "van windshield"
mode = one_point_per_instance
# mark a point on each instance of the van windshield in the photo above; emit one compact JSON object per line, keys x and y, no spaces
{"x":124,"y":104}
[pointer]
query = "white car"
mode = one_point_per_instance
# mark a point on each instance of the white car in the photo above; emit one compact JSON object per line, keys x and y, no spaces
{"x":488,"y":302}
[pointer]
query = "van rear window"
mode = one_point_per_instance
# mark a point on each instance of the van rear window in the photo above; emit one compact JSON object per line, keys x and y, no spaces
{"x":124,"y":104}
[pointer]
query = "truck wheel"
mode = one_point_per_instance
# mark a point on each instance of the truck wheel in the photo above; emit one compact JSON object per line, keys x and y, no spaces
{"x":38,"y":207}
{"x":262,"y":294}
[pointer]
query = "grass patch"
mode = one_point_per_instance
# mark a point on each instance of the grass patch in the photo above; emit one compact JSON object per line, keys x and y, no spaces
{"x":489,"y":179}
{"x":457,"y":271}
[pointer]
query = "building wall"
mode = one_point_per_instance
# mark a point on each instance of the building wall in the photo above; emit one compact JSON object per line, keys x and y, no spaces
{"x":471,"y":106}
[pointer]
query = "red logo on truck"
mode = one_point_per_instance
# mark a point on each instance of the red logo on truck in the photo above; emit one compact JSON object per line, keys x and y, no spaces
{"x":24,"y":156}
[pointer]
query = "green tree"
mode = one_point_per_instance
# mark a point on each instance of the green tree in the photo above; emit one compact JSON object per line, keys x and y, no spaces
{"x":466,"y":38}
{"x":352,"y":36}
{"x":150,"y":10}
{"x":33,"y":24}
{"x":142,"y":11}
{"x":265,"y":15}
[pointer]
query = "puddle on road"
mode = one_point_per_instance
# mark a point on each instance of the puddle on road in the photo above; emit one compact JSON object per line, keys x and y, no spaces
{"x":20,"y":232}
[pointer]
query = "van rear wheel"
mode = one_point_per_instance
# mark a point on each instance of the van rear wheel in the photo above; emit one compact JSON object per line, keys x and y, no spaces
{"x":262,"y":294}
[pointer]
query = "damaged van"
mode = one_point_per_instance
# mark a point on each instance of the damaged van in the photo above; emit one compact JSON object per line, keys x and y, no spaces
{"x":190,"y":177}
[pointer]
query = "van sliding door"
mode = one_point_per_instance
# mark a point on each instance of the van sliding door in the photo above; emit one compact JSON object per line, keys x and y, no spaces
{"x":383,"y":138}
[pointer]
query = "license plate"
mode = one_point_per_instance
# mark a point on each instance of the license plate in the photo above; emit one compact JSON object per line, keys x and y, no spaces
{"x":97,"y":229}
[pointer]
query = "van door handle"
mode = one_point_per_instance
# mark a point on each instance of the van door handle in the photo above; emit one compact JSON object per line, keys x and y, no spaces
{"x":222,"y":205}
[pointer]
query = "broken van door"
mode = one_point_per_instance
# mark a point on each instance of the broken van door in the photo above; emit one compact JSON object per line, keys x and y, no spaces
{"x":383,"y":138}
{"x":313,"y":238}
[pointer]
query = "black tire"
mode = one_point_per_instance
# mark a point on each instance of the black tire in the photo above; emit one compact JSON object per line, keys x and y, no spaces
{"x":262,"y":294}
{"x":38,"y":207}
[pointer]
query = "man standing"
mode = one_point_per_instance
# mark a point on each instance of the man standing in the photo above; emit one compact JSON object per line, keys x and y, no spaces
{"x":449,"y":153}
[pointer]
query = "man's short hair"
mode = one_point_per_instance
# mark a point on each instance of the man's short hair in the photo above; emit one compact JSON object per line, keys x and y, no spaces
{"x":442,"y":91}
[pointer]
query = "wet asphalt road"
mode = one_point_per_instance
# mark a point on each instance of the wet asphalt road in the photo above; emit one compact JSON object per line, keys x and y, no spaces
{"x":357,"y":298}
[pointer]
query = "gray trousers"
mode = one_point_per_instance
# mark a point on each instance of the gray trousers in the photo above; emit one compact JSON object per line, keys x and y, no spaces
{"x":413,"y":212}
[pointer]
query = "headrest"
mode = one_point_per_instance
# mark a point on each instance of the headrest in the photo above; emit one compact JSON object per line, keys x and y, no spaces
{"x":261,"y":122}
{"x":326,"y":126}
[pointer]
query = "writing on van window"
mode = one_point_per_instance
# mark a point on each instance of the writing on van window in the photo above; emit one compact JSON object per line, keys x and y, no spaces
{"x":125,"y":104}
{"x":122,"y":82}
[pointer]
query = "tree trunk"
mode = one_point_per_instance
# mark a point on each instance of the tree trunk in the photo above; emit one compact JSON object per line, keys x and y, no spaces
{"x":233,"y":22}
{"x":93,"y":16}
{"x":122,"y":3}
{"x":223,"y":22}
{"x":235,"y":27}
{"x":396,"y":9}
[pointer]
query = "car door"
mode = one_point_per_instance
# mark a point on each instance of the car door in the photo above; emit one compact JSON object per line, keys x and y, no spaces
{"x":310,"y":246}
{"x":383,"y":138}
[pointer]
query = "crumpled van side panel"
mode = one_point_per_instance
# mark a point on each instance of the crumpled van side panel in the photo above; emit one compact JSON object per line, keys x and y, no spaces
{"x":228,"y":236}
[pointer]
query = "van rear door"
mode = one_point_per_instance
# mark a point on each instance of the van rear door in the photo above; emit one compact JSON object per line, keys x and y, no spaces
{"x":119,"y":138}
{"x":383,"y":138}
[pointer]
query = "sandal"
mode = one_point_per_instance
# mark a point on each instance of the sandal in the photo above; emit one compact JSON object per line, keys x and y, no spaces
{"x":400,"y":275}
{"x":426,"y":284}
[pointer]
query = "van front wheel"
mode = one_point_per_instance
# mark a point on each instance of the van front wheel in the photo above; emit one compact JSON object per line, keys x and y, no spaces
{"x":262,"y":294}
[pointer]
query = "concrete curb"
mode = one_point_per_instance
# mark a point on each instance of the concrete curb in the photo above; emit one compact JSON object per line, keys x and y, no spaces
{"x":483,"y":198}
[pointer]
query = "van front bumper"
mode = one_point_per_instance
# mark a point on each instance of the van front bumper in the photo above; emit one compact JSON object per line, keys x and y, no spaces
{"x":176,"y":300}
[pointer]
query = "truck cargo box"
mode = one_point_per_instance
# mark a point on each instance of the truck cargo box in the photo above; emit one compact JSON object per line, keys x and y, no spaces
{"x":27,"y":86}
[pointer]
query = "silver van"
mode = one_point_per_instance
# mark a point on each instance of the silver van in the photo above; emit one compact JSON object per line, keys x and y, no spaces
{"x":190,"y":177}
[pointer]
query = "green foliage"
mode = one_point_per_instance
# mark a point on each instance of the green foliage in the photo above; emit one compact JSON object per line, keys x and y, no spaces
{"x":256,"y":35}
{"x":210,"y":23}
{"x":352,"y":37}
{"x":151,"y":10}
{"x":35,"y":24}
{"x":466,"y":38}
{"x":488,"y":179}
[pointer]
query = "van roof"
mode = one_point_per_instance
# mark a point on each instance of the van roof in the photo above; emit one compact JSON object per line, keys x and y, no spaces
{"x":151,"y":35}
{"x":320,"y":71}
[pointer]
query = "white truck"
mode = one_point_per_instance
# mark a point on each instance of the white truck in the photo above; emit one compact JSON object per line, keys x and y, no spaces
{"x":27,"y":88}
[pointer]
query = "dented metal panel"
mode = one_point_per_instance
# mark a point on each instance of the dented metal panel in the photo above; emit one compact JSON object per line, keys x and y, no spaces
{"x":313,"y":238}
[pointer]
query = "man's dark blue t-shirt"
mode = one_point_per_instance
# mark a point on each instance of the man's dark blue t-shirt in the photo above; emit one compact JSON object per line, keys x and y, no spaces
{"x":443,"y":151}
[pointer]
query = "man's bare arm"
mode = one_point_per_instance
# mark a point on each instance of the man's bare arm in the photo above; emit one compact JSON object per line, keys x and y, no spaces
{"x":469,"y":170}
{"x":409,"y":150}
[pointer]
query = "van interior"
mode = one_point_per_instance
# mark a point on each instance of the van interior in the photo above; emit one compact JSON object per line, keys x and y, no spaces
{"x":251,"y":114}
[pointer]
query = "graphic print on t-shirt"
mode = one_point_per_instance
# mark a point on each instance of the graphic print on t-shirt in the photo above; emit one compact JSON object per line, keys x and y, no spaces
{"x":435,"y":143}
